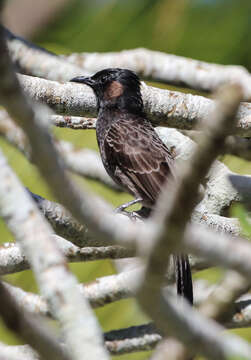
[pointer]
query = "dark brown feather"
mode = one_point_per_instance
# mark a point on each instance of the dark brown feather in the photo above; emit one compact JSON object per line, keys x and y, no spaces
{"x":140,"y":155}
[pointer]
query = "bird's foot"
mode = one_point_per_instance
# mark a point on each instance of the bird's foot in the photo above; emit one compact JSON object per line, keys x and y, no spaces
{"x":133,"y":215}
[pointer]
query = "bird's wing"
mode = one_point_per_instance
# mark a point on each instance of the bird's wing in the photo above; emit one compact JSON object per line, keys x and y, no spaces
{"x":140,"y":155}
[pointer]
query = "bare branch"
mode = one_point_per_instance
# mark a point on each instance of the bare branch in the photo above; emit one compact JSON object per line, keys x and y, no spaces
{"x":73,"y":122}
{"x":163,"y":107}
{"x":173,"y":218}
{"x":84,"y":162}
{"x":219,"y":192}
{"x":104,"y":290}
{"x":220,"y":303}
{"x":200,"y":333}
{"x":29,"y":328}
{"x":24,"y":352}
{"x":57,"y":284}
{"x":172,"y":69}
{"x":100,"y":292}
{"x":151,"y":65}
{"x":134,"y":338}
{"x":220,"y":249}
{"x":34,"y":60}
{"x":12,"y":259}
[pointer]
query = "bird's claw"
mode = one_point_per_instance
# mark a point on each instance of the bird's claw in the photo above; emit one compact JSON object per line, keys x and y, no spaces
{"x":133,"y":215}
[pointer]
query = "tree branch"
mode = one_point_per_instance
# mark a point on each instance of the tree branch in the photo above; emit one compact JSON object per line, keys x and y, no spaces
{"x":36,"y":61}
{"x":83,"y":162}
{"x":172,"y":219}
{"x":13,"y":260}
{"x":163,"y":107}
{"x":151,"y":65}
{"x":167,"y":68}
{"x":29,"y":328}
{"x":57,"y":284}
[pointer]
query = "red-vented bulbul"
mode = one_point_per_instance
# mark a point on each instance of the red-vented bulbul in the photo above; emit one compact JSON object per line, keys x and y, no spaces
{"x":131,"y":151}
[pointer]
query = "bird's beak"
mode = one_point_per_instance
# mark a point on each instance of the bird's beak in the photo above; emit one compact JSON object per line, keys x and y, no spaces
{"x":83,"y":80}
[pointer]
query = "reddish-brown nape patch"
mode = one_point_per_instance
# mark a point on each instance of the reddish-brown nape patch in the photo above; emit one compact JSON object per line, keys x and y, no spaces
{"x":114,"y":90}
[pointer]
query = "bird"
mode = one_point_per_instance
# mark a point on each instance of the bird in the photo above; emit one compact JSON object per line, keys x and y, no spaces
{"x":131,"y":151}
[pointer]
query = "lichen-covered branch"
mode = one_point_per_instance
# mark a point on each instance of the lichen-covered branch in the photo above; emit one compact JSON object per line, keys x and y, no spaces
{"x":57,"y":284}
{"x":173,"y":218}
{"x":219,"y":192}
{"x":17,"y":352}
{"x":172,"y":69}
{"x":151,"y":65}
{"x":33,"y":60}
{"x":100,"y":292}
{"x":108,"y":289}
{"x":163,"y":107}
{"x":84,"y":162}
{"x":220,"y":303}
{"x":31,"y":329}
{"x":13,"y":260}
{"x":233,"y":253}
{"x":73,"y":122}
{"x":199,"y":333}
{"x":135,"y":338}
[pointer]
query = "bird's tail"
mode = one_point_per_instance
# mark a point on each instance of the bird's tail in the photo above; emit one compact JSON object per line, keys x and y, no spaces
{"x":183,"y":277}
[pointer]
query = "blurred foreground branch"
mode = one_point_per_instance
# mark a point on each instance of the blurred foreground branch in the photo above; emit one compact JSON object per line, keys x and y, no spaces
{"x":31,"y":329}
{"x":172,"y":221}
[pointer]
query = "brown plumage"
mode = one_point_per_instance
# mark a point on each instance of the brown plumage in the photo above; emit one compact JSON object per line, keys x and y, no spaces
{"x":131,"y":151}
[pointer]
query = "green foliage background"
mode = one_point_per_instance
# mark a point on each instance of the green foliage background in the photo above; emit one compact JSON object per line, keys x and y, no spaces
{"x":210,"y":30}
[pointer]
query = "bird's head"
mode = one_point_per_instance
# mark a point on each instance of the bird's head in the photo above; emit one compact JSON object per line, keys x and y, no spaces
{"x":117,"y":88}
